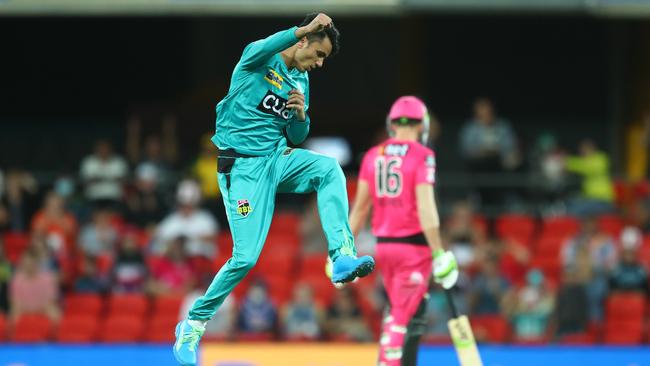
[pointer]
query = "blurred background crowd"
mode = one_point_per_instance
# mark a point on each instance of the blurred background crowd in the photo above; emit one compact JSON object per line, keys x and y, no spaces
{"x":110,"y":212}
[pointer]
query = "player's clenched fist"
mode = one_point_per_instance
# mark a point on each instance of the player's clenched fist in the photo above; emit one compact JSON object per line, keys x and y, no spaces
{"x":296,"y":102}
{"x":318,"y":24}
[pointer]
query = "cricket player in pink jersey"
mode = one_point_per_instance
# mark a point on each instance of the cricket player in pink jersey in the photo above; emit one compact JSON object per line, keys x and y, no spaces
{"x":396,"y":180}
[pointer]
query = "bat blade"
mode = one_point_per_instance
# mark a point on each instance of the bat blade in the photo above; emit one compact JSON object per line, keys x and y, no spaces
{"x":463,"y":338}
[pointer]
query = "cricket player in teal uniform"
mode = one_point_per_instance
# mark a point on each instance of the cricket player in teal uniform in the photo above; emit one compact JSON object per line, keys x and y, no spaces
{"x":268,"y":99}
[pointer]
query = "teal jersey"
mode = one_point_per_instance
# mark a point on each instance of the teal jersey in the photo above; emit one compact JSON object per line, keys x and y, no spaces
{"x":252,"y":117}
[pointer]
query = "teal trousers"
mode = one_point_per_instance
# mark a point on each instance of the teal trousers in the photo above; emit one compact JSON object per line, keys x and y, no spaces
{"x":250,"y":200}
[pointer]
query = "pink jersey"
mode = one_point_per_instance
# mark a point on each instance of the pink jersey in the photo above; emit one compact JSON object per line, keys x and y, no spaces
{"x":392,"y":170}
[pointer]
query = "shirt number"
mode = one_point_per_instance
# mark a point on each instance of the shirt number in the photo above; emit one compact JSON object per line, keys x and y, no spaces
{"x":388,"y":178}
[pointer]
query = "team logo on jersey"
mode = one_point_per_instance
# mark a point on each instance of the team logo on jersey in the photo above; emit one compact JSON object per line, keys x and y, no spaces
{"x":274,"y":78}
{"x":396,"y":149}
{"x":431,"y":161}
{"x":275,"y":105}
{"x":244,"y":207}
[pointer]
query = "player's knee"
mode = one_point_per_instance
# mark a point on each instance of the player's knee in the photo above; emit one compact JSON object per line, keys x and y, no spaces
{"x":244,"y":264}
{"x":329,"y":165}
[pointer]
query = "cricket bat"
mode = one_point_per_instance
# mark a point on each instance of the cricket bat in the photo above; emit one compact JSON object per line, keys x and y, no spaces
{"x":462,"y":336}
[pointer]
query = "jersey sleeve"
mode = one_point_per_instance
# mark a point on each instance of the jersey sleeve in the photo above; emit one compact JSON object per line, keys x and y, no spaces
{"x":426,"y":169}
{"x":365,"y":173}
{"x":258,"y":52}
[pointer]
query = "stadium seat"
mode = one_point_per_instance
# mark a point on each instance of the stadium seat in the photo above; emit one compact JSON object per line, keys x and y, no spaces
{"x":122,"y":328}
{"x":549,"y":246}
{"x":90,"y":304}
{"x":551,"y":267}
{"x":14,"y":245}
{"x":279,"y":288}
{"x":644,"y":253}
{"x":224,"y":243}
{"x":276,"y":263}
{"x":127,"y":304}
{"x":77,"y":328}
{"x":623,"y":332}
{"x":625,"y":307}
{"x":32,"y":328}
{"x":3,"y":327}
{"x":490,"y":328}
{"x":167,"y":306}
{"x":517,"y":227}
{"x":611,"y":224}
{"x":161,"y":329}
{"x":313,"y":265}
{"x":561,"y":226}
{"x":285,"y":222}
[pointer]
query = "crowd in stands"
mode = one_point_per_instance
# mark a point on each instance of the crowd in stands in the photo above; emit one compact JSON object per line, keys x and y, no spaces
{"x":136,"y":239}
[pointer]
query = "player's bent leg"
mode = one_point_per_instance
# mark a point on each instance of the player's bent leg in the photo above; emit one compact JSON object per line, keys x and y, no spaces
{"x":304,"y":171}
{"x":249,"y":225}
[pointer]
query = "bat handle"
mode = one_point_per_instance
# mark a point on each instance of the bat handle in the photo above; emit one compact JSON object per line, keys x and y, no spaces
{"x":452,"y":306}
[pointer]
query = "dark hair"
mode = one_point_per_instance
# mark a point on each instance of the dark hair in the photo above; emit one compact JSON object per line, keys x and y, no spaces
{"x":332,"y":33}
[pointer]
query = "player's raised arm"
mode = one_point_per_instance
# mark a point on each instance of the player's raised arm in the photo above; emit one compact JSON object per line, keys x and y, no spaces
{"x":258,"y":52}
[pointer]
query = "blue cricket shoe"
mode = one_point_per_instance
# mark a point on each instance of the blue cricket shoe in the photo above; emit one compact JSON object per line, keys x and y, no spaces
{"x":346,"y":268}
{"x":187,"y":342}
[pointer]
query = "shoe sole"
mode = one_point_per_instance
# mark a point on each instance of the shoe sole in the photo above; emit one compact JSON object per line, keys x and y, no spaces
{"x":361,"y":271}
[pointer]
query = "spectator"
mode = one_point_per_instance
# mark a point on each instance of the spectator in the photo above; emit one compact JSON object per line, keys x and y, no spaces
{"x":487,"y":289}
{"x":172,"y":275}
{"x":596,"y":251}
{"x":203,"y":170}
{"x":129,"y":271}
{"x":103,"y":174}
{"x":488,"y":145}
{"x":99,"y":237}
{"x":56,"y":225}
{"x":462,"y":234}
{"x":597,"y":189}
{"x":33,"y":290}
{"x":198,"y":226}
{"x":629,"y":275}
{"x":5,"y":277}
{"x":533,"y":305}
{"x":19,"y":201}
{"x":257,"y":313}
{"x":160,"y":151}
{"x":344,"y":319}
{"x":548,"y":179}
{"x":302,"y":317}
{"x":572,"y":314}
{"x":145,"y":203}
{"x":90,"y":280}
{"x":222,"y":324}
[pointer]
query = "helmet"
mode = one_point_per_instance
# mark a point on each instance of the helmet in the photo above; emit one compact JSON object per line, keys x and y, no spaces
{"x":404,"y":111}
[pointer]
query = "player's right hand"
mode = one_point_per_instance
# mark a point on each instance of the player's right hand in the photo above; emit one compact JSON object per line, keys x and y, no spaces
{"x":445,"y":268}
{"x":319,"y":23}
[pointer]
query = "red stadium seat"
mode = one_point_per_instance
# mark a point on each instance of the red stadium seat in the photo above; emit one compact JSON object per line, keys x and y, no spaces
{"x":14,"y":245}
{"x":161,"y":329}
{"x":551,"y":267}
{"x":518,"y":227}
{"x":313,"y":265}
{"x":625,"y":307}
{"x":623,"y":333}
{"x":32,"y":328}
{"x":549,"y":246}
{"x":279,"y":288}
{"x":90,"y":304}
{"x":490,"y":328}
{"x":561,"y":226}
{"x":77,"y":329}
{"x":285,"y":222}
{"x":275,"y":263}
{"x":644,"y":253}
{"x":611,"y":224}
{"x":224,"y":243}
{"x":122,"y":328}
{"x":3,"y":327}
{"x":167,"y":306}
{"x":128,"y":304}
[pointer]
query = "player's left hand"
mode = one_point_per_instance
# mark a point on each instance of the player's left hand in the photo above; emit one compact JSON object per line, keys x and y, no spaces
{"x":296,"y":102}
{"x":445,"y":268}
